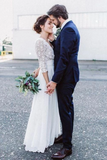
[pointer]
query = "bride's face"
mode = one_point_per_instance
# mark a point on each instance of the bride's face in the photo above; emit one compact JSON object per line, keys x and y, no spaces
{"x":48,"y":26}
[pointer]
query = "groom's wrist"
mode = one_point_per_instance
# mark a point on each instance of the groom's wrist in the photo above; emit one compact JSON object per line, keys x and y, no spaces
{"x":54,"y":82}
{"x":55,"y":79}
{"x":52,"y":42}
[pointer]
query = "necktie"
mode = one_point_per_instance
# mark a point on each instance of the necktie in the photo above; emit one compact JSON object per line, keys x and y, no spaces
{"x":58,"y":32}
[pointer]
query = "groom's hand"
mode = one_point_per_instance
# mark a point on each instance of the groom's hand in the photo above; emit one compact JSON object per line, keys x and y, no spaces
{"x":51,"y":37}
{"x":51,"y":87}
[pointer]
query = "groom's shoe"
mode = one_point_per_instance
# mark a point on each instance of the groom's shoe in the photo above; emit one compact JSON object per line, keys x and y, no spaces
{"x":62,"y":153}
{"x":59,"y":139}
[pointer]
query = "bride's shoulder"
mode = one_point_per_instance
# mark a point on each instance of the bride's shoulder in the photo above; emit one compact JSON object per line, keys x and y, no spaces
{"x":39,"y":41}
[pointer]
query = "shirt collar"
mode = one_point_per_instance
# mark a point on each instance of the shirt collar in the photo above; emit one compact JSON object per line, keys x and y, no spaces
{"x":66,"y":21}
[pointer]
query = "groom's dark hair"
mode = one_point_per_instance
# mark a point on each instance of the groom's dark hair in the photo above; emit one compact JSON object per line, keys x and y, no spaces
{"x":58,"y":10}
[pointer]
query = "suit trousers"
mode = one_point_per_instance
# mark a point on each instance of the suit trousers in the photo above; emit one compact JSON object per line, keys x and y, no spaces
{"x":66,"y":111}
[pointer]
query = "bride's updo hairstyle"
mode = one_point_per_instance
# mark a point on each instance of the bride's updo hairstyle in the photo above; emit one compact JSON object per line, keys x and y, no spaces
{"x":40,"y":21}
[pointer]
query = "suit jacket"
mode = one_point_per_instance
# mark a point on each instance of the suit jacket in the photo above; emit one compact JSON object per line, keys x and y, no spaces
{"x":66,"y":48}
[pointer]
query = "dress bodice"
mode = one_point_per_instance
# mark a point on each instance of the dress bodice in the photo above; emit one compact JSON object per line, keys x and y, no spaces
{"x":44,"y":52}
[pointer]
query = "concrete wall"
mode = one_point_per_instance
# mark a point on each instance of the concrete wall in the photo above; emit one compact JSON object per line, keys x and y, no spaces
{"x":90,"y":16}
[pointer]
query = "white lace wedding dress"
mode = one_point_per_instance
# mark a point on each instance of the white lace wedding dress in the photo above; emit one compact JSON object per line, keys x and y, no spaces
{"x":44,"y":121}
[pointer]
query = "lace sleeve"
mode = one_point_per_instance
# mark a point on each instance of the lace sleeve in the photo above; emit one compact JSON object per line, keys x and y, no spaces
{"x":40,"y":51}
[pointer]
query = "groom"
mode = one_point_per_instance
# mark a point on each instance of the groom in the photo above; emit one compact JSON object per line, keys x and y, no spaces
{"x":66,"y":74}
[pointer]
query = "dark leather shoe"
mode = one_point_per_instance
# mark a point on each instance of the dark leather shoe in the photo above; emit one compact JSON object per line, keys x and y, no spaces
{"x":62,"y":153}
{"x":59,"y":139}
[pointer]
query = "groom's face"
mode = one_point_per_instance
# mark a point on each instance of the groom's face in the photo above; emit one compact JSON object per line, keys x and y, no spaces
{"x":55,"y":21}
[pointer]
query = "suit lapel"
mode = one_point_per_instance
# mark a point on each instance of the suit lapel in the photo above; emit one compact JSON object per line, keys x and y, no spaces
{"x":58,"y":38}
{"x":66,"y":25}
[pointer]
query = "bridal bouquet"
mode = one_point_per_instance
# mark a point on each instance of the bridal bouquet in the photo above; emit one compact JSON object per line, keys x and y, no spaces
{"x":27,"y":83}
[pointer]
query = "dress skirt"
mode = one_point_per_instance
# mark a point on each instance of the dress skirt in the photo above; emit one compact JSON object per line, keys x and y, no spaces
{"x":44,"y":121}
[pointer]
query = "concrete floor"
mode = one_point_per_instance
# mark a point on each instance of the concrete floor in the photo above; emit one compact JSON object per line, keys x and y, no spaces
{"x":90,"y":125}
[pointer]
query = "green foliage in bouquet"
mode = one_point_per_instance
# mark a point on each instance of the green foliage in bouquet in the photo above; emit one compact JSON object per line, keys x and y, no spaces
{"x":27,"y":83}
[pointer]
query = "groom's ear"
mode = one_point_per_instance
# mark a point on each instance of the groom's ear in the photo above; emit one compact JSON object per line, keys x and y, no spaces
{"x":59,"y":18}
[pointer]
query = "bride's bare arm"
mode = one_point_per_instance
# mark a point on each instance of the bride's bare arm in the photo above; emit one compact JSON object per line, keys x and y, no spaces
{"x":45,"y":75}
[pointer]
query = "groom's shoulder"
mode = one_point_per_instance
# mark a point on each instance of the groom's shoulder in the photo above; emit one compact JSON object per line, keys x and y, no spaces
{"x":70,"y":26}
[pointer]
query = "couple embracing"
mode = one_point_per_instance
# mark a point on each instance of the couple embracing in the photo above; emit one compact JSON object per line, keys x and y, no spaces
{"x":52,"y":113}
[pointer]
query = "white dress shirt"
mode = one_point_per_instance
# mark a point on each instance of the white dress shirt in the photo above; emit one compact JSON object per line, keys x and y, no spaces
{"x":66,"y":21}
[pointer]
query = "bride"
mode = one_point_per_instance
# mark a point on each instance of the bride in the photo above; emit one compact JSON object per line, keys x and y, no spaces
{"x":44,"y":121}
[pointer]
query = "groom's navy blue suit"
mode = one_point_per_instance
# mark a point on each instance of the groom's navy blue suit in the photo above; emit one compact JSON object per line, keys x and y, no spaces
{"x":66,"y":76}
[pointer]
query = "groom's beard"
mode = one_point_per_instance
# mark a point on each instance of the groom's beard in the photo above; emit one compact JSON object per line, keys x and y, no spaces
{"x":58,"y":24}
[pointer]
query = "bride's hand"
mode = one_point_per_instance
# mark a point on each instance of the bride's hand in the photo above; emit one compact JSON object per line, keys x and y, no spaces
{"x":36,"y":72}
{"x":51,"y":37}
